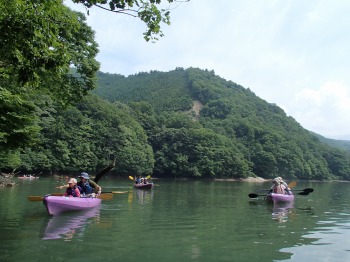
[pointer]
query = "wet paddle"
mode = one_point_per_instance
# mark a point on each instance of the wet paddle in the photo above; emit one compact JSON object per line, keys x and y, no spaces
{"x":309,"y":190}
{"x":304,"y":192}
{"x":116,"y":192}
{"x":103,"y":196}
{"x":253,"y":195}
{"x":292,"y":184}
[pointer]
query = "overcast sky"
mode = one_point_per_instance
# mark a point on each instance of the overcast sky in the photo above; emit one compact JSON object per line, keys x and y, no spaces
{"x":293,"y":53}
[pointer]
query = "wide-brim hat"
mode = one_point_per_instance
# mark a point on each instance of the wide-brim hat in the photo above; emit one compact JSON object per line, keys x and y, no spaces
{"x":84,"y":175}
{"x":72,"y":181}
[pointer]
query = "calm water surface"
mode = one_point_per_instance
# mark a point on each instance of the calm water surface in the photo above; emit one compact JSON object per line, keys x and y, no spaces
{"x":178,"y":221}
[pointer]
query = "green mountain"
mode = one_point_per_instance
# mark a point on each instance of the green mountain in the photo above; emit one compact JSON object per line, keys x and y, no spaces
{"x":201,"y":125}
{"x":341,"y":144}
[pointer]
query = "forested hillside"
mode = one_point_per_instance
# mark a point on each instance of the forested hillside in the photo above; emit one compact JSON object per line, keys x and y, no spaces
{"x":85,"y":137}
{"x":183,"y":123}
{"x":342,"y":144}
{"x":235,"y":133}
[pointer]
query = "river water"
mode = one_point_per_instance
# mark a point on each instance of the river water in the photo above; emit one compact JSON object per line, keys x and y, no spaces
{"x":178,"y":221}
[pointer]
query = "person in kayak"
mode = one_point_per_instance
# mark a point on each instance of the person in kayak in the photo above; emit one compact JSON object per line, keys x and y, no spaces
{"x":138,"y":180}
{"x":287,"y":189}
{"x":87,"y":186}
{"x":277,"y":187}
{"x":72,"y":190}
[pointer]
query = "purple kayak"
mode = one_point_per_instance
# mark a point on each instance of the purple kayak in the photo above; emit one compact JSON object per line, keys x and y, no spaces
{"x":59,"y":204}
{"x":279,"y":198}
{"x":143,"y":186}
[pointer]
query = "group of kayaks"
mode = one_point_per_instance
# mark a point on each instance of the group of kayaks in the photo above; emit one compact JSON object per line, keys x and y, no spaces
{"x":30,"y":177}
{"x":59,"y":204}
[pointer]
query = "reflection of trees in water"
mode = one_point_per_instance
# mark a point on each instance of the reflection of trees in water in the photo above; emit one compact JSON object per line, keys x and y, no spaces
{"x":144,"y":196}
{"x":71,"y":224}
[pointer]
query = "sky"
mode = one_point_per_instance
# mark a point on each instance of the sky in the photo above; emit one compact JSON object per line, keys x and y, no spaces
{"x":293,"y":53}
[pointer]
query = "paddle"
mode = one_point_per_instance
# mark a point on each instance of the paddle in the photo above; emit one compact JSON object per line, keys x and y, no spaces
{"x":253,"y":195}
{"x":304,"y":192}
{"x":104,"y":171}
{"x":309,"y":190}
{"x":131,"y":178}
{"x":103,"y":196}
{"x":116,"y":192}
{"x":292,"y":184}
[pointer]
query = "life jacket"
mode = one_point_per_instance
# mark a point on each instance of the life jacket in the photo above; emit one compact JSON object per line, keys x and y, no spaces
{"x":279,"y":189}
{"x":71,"y":191}
{"x":85,"y":188}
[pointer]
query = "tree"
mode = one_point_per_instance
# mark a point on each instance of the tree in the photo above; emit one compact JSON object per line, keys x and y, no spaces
{"x":41,"y":42}
{"x":146,"y":10}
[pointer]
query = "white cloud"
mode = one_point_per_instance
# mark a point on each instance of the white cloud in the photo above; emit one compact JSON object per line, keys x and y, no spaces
{"x":325,"y":109}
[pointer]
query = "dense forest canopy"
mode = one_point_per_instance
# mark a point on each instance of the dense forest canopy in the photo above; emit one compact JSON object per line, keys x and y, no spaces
{"x":41,"y":41}
{"x":235,"y":133}
{"x":182,"y":123}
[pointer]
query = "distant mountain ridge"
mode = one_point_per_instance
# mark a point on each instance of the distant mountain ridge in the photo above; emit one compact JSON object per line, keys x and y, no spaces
{"x":342,"y":144}
{"x":185,"y":110}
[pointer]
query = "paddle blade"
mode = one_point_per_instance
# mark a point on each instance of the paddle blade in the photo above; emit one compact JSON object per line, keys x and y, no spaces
{"x":292,"y":184}
{"x":304,"y":193}
{"x":253,"y":195}
{"x":148,"y":177}
{"x":131,"y":178}
{"x":35,"y":198}
{"x":309,"y":190}
{"x":106,"y":196}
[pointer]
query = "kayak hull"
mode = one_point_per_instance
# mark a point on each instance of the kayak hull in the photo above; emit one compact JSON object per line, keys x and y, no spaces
{"x":143,"y":186}
{"x":279,"y":198}
{"x":59,"y":204}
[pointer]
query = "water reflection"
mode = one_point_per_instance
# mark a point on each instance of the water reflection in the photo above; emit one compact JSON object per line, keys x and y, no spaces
{"x":281,"y":211}
{"x":66,"y":226}
{"x":144,"y":196}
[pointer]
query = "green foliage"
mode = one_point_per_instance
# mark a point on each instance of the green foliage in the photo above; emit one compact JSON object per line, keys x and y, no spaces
{"x":341,"y":144}
{"x":237,"y":134}
{"x":41,"y":41}
{"x":165,"y":91}
{"x":18,"y":121}
{"x":196,"y":153}
{"x":88,"y":137}
{"x":148,"y":11}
